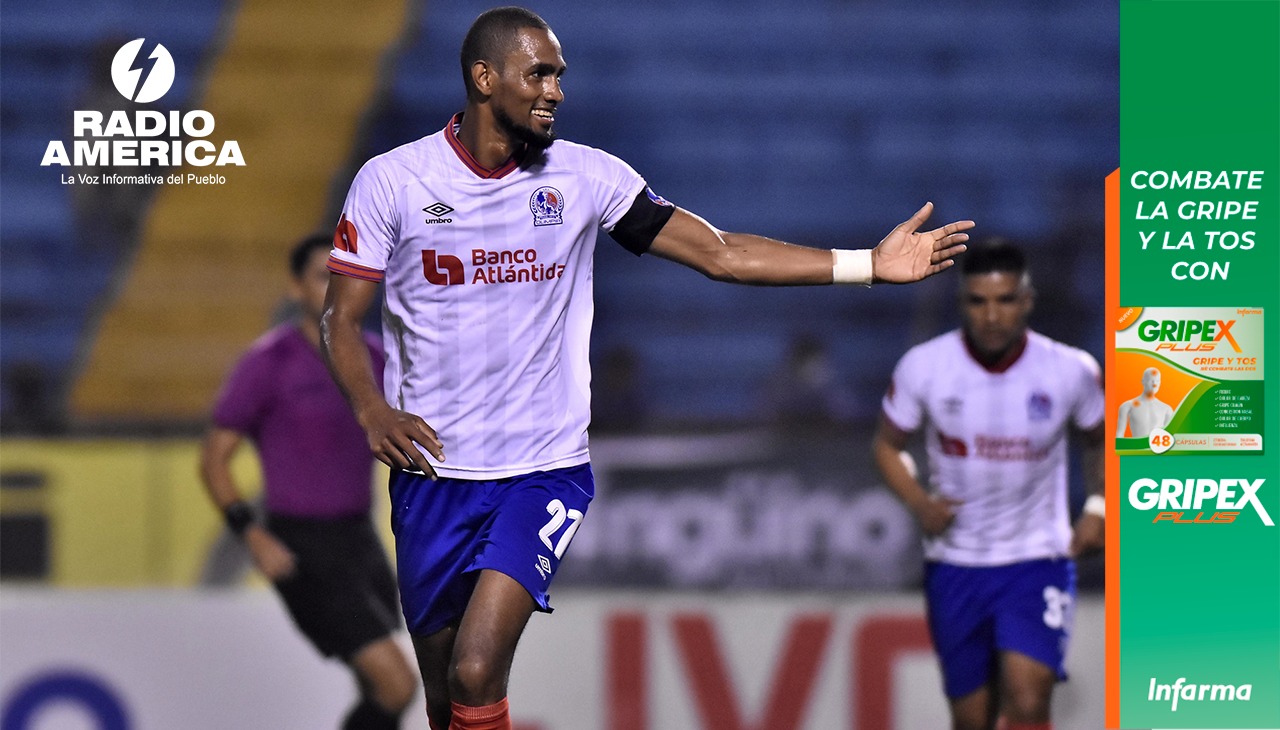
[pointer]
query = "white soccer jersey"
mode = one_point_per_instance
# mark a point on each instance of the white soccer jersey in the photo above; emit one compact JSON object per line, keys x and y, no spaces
{"x":488,"y":302}
{"x":997,"y":442}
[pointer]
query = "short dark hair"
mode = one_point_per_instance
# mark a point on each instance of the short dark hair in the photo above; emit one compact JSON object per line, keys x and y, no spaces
{"x":490,"y":36}
{"x":301,"y":252}
{"x":994,"y":255}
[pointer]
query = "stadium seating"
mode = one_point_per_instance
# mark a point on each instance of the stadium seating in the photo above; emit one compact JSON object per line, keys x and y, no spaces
{"x":53,"y":280}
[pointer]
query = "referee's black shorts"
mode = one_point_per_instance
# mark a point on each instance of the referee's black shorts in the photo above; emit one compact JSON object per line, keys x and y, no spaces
{"x":342,"y":595}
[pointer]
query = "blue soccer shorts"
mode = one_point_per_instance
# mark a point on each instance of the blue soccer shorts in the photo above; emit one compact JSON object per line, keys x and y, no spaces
{"x":977,"y":612}
{"x":448,"y":530}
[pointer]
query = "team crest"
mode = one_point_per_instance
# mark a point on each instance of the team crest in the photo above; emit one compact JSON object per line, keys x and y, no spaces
{"x":1039,"y":407}
{"x":547,"y":204}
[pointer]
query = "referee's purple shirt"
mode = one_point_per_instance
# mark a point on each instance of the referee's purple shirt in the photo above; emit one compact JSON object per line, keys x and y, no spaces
{"x":315,"y":460}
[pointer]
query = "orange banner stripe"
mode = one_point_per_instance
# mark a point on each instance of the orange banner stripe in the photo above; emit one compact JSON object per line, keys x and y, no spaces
{"x":1112,"y":461}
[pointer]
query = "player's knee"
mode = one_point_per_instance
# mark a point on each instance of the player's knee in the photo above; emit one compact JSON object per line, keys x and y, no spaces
{"x":968,"y":718}
{"x":477,"y":680}
{"x":1026,"y":704}
{"x":385,"y":677}
{"x":395,"y":693}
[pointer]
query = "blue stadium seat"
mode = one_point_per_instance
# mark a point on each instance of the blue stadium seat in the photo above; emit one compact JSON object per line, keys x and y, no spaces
{"x":49,"y":285}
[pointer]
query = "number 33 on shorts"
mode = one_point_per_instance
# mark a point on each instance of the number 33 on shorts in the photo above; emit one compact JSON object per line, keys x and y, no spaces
{"x":1057,"y":607}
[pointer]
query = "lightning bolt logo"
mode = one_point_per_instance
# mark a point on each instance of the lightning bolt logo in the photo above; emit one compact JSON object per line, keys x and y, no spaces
{"x":142,"y":77}
{"x":141,"y":69}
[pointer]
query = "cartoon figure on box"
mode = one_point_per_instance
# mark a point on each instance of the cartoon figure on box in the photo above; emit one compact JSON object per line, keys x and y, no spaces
{"x":1146,"y":413}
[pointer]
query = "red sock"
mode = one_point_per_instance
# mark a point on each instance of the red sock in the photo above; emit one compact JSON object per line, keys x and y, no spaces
{"x":489,"y":717}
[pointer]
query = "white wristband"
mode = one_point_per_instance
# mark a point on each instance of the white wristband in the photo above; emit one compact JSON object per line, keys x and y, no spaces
{"x":851,"y":266}
{"x":1096,"y":505}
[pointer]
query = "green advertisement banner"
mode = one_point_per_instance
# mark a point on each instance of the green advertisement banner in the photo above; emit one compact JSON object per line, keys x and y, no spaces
{"x":1196,"y":466}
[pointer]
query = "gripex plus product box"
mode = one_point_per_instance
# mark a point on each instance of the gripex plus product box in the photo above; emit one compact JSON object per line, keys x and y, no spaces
{"x":1191,"y":378}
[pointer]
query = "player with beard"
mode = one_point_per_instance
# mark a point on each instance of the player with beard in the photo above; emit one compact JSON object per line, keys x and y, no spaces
{"x":483,"y":234}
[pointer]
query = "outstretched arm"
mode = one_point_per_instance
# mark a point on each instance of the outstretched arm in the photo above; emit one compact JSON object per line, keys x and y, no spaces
{"x":391,"y":433}
{"x":904,"y":256}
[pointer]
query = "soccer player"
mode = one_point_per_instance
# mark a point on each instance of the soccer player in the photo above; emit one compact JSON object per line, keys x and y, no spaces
{"x":316,"y":543}
{"x":997,"y":401}
{"x":1146,"y":413}
{"x":483,"y":234}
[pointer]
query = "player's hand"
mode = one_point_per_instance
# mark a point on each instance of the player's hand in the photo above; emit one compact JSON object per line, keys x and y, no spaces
{"x":1089,"y":534}
{"x":271,"y":556}
{"x":394,"y":437}
{"x":936,"y":514}
{"x":905,"y":255}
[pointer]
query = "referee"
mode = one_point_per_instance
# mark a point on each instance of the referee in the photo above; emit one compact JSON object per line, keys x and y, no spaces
{"x":315,"y":543}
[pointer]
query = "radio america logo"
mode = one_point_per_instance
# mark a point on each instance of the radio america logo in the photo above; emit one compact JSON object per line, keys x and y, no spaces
{"x":139,"y":79}
{"x":143,"y":72}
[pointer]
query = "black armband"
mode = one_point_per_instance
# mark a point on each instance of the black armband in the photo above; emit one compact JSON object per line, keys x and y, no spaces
{"x":239,"y":515}
{"x":637,"y":229}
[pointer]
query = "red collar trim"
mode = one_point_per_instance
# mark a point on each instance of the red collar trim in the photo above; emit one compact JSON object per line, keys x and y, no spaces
{"x":1003,"y":363}
{"x":467,"y":159}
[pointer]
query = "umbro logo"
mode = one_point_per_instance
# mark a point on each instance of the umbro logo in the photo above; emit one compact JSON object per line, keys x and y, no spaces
{"x":544,"y":567}
{"x":438,"y":211}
